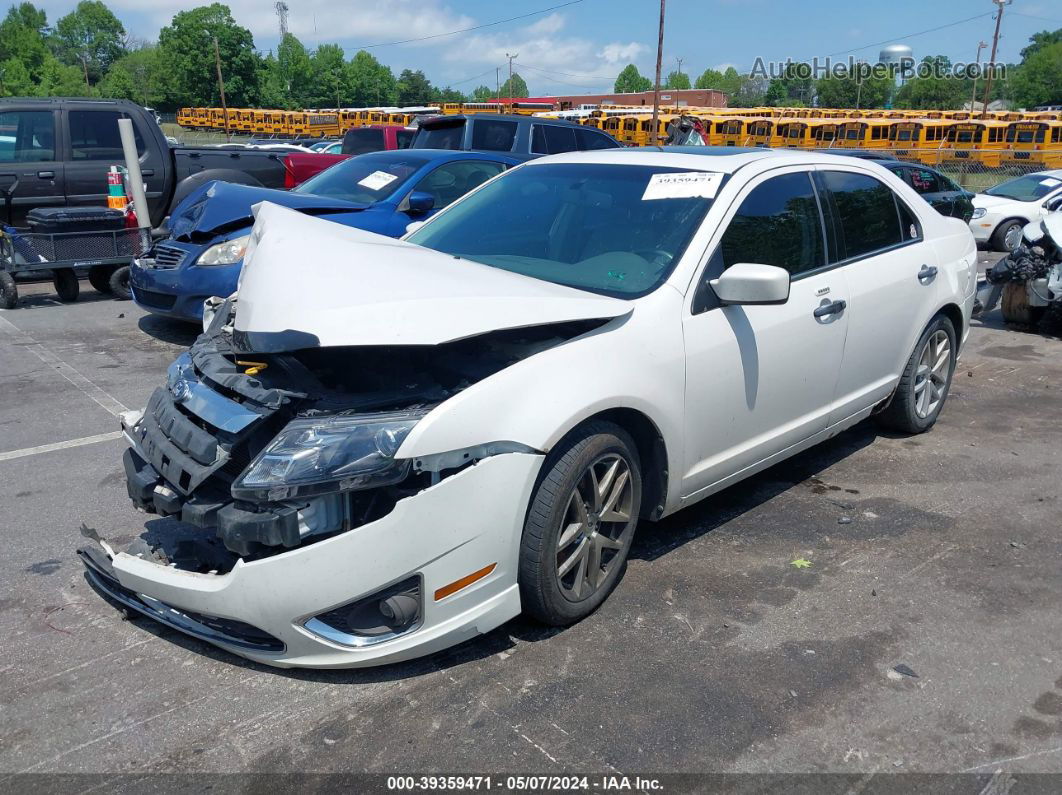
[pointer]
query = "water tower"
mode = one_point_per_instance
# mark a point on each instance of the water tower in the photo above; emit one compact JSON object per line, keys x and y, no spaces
{"x":900,"y":57}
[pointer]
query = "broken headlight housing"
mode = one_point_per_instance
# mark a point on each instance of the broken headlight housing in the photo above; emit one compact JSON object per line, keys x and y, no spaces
{"x":227,"y":253}
{"x":320,"y":455}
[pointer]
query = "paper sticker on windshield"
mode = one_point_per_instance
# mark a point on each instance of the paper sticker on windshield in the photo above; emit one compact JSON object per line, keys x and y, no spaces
{"x":377,"y":180}
{"x":682,"y":185}
{"x":1050,"y":182}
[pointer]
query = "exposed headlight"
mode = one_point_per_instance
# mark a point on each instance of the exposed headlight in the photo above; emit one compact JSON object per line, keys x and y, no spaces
{"x":227,"y":253}
{"x":319,"y":455}
{"x":979,"y":212}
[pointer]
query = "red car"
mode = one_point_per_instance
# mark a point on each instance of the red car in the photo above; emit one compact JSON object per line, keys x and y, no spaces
{"x":300,"y":166}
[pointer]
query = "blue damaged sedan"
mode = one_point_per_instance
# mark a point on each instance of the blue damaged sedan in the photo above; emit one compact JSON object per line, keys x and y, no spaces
{"x":380,"y":192}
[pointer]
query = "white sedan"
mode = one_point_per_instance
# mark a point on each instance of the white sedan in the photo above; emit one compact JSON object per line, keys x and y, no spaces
{"x":1001,"y":212}
{"x":382,"y":448}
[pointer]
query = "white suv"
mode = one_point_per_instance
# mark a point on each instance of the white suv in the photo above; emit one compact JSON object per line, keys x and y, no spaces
{"x":382,"y":448}
{"x":1001,"y":212}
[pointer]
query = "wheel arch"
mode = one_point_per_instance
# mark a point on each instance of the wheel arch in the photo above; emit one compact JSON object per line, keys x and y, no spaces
{"x":652,"y":453}
{"x":953,"y":313}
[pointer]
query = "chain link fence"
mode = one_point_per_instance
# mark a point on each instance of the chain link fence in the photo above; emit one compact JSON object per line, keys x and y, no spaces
{"x":977,"y":169}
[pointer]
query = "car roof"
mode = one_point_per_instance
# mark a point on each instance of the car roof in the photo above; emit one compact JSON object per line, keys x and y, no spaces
{"x":725,"y":159}
{"x":429,"y":155}
{"x":429,"y":121}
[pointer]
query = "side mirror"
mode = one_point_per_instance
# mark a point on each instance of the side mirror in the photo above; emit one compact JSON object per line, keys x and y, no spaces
{"x":419,"y":202}
{"x":751,"y":283}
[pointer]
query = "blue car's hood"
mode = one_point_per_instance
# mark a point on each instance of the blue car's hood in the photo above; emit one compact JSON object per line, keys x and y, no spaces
{"x":221,"y":206}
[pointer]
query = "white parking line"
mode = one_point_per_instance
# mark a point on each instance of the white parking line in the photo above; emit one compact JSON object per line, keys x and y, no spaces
{"x":47,"y":448}
{"x":106,"y":401}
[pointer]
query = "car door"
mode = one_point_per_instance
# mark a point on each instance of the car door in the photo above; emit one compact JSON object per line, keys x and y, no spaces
{"x":96,"y":145}
{"x":893,"y":289}
{"x":31,"y":166}
{"x":761,"y":379}
{"x":445,"y":184}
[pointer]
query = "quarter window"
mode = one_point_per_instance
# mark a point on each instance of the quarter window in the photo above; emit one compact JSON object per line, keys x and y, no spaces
{"x":778,"y":223}
{"x":493,"y":135}
{"x":589,"y":139}
{"x":550,"y":140}
{"x":450,"y":182}
{"x":865,"y":212}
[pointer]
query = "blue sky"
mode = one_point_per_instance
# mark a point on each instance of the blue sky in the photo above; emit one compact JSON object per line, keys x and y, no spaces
{"x":581,"y":47}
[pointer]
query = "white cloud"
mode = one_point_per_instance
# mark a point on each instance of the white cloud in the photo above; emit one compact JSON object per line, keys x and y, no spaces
{"x":615,"y":52}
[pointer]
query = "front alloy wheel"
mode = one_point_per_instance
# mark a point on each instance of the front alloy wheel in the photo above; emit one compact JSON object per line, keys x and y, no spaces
{"x":580,"y":524}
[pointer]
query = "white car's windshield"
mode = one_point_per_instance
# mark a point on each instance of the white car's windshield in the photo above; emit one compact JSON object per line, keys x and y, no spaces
{"x":610,"y":229}
{"x":1029,"y":188}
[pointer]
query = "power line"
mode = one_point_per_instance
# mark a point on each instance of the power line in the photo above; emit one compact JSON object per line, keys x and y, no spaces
{"x":911,"y":35}
{"x":525,"y":65}
{"x":1031,"y":16}
{"x":466,"y":30}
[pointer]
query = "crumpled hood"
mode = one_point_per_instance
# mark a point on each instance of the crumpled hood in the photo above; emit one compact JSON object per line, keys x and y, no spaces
{"x":309,"y":282}
{"x":219,"y":206}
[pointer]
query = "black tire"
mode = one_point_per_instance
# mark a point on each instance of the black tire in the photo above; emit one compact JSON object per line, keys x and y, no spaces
{"x":99,"y":277}
{"x":902,"y":413}
{"x":66,"y":285}
{"x":8,"y":291}
{"x":1000,"y":235}
{"x":543,"y":591}
{"x":119,"y":284}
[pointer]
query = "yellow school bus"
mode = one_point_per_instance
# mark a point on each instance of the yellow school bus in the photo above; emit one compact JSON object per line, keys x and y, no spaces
{"x":864,"y":134}
{"x":981,"y":141}
{"x":823,"y":132}
{"x":794,"y":133}
{"x":728,"y":132}
{"x":918,"y":139}
{"x":759,"y":132}
{"x":1038,"y":142}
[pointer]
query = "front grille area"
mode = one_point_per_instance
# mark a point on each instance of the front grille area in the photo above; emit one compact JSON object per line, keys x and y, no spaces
{"x":157,"y":300}
{"x":169,"y":256}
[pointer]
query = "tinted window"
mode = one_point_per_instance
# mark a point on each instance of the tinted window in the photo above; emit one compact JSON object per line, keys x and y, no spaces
{"x":446,"y":136}
{"x":493,"y":135}
{"x":924,"y":180}
{"x":365,"y":179}
{"x":94,"y":136}
{"x":583,"y":225}
{"x":404,"y":138}
{"x":1026,"y":189}
{"x":588,"y":139}
{"x":27,"y":136}
{"x":549,"y":140}
{"x":865,"y":212}
{"x":363,"y":139}
{"x":451,"y":181}
{"x":777,"y":224}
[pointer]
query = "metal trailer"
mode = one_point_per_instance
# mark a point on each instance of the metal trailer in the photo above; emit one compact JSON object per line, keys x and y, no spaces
{"x":105,"y":254}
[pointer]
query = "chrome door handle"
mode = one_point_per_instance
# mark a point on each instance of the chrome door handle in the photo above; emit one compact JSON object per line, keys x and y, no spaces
{"x":927,"y":274}
{"x":46,"y":174}
{"x":832,"y":308}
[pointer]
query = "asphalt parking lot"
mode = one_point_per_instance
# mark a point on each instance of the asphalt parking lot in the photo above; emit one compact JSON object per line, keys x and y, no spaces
{"x":940,"y":554}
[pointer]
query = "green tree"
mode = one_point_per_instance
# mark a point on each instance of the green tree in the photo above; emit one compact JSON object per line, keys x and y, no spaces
{"x":1040,"y":40}
{"x":517,"y":89}
{"x":447,"y":94}
{"x":1038,"y":80}
{"x":90,"y":37}
{"x":15,"y":80}
{"x":631,"y":81}
{"x":677,"y":81}
{"x":482,"y":94}
{"x":141,"y":75}
{"x":296,"y":69}
{"x":413,"y":88}
{"x":188,"y":47}
{"x":710,"y":78}
{"x":938,"y":89}
{"x":751,"y":93}
{"x":272,"y":87}
{"x":22,"y":39}
{"x":369,"y":82}
{"x":795,"y":88}
{"x":853,"y":89}
{"x":731,"y":81}
{"x":329,"y":80}
{"x":62,"y":80}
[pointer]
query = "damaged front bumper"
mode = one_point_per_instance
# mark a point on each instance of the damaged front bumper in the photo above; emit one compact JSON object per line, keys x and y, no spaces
{"x":468,"y":522}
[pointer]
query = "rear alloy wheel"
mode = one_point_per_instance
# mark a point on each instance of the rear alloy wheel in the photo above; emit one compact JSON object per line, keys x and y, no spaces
{"x":925,"y":382}
{"x":580,"y":524}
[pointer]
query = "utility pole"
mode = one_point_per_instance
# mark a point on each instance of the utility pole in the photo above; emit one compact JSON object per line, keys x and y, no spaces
{"x":497,"y":82}
{"x":84,"y":64}
{"x":511,"y":59}
{"x":973,"y":95}
{"x":679,"y":62}
{"x":221,"y":88}
{"x":655,"y":140}
{"x":992,"y":57}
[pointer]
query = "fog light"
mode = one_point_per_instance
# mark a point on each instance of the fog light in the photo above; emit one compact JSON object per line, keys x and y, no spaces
{"x":384,"y":615}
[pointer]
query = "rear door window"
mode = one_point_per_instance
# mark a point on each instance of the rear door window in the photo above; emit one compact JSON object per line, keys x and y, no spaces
{"x":591,"y":139}
{"x":865,"y":214}
{"x":493,"y":135}
{"x":94,"y":136}
{"x":551,"y":140}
